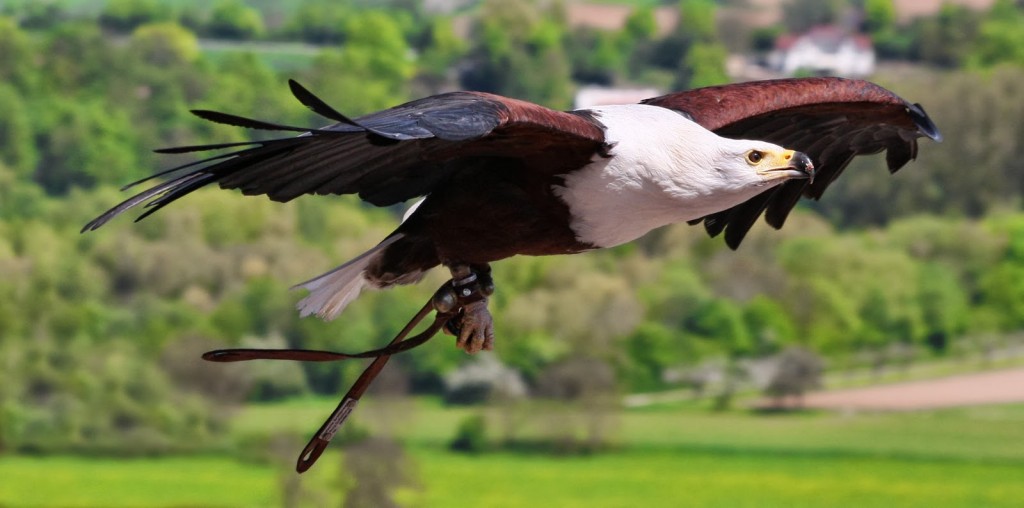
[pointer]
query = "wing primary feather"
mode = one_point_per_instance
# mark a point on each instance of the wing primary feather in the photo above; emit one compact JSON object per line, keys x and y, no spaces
{"x":135,"y":200}
{"x":178,"y":168}
{"x":825,"y":179}
{"x":173,"y":195}
{"x":247,"y":160}
{"x":184,"y":184}
{"x":285,"y":186}
{"x":368,"y":164}
{"x":263,"y":144}
{"x":271,"y":173}
{"x":317,"y":105}
{"x":898,"y":155}
{"x":783,"y":203}
{"x":744,"y":217}
{"x":924,"y":124}
{"x":249,"y":123}
{"x":337,"y":184}
{"x":716,"y":222}
{"x":203,"y":148}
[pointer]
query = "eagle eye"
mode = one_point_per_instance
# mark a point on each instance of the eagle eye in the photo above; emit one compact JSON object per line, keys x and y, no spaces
{"x":755,"y":156}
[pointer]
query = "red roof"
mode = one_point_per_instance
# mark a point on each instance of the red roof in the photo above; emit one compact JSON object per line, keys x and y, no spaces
{"x":824,"y":36}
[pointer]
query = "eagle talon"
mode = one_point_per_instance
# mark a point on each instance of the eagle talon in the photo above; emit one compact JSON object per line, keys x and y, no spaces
{"x":476,"y":328}
{"x":473,"y":325}
{"x":453,"y":326}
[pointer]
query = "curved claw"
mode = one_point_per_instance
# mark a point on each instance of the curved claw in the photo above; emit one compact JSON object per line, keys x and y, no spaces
{"x":476,"y":328}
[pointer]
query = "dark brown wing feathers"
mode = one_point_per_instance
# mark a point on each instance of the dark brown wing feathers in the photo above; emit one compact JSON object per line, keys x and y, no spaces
{"x":385,"y":157}
{"x":830,"y":119}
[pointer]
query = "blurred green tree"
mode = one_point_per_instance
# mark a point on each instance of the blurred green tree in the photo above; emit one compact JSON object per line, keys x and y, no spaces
{"x":946,"y":38}
{"x":319,"y":21}
{"x":233,"y":19}
{"x":126,"y":15}
{"x":18,"y":67}
{"x":704,"y":65}
{"x":444,"y":49}
{"x":640,"y":25}
{"x":165,"y":44}
{"x":770,"y":325}
{"x":374,"y":65}
{"x":703,"y":59}
{"x":1000,"y":39}
{"x":79,"y":59}
{"x":944,"y":305}
{"x":17,"y":133}
{"x":879,"y":16}
{"x":87,"y":143}
{"x":516,"y":40}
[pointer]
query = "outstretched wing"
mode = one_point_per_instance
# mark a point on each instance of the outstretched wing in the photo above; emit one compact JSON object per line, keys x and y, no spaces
{"x":830,"y":119}
{"x":385,"y":157}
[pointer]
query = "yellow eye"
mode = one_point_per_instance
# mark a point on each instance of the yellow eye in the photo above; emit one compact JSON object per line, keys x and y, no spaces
{"x":754,"y":156}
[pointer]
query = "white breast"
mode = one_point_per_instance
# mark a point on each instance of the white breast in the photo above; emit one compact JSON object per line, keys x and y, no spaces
{"x":657,"y":174}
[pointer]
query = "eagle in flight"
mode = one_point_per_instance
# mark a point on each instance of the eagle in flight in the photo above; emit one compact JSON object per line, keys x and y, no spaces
{"x":501,"y":177}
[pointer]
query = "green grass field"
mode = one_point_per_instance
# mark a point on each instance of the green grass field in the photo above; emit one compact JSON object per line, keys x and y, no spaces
{"x":280,"y":56}
{"x":626,"y":479}
{"x":665,"y":478}
{"x":989,"y":433}
{"x":669,"y":456}
{"x":175,"y":481}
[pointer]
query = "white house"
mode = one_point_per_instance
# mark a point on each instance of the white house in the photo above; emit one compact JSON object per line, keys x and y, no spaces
{"x":591,"y":96}
{"x":827,"y":50}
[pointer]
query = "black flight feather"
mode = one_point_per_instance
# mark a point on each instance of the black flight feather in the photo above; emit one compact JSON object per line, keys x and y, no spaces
{"x":249,"y":123}
{"x":203,"y":148}
{"x":317,"y":105}
{"x":178,"y":168}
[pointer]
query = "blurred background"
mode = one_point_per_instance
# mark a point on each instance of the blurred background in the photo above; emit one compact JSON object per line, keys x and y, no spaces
{"x":871,"y":353}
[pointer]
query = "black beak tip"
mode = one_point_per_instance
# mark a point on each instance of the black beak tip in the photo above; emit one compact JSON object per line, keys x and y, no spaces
{"x":801,"y":162}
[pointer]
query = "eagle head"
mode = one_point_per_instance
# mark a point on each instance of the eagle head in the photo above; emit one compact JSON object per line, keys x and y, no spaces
{"x":758,"y":164}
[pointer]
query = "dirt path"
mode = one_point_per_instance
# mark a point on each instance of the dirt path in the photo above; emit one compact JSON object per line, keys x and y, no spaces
{"x":970,"y":389}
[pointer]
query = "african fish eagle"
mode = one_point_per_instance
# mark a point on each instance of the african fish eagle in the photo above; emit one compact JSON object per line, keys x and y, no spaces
{"x":501,"y":176}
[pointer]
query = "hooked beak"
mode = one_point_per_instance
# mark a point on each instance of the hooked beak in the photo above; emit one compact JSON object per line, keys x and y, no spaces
{"x":802,"y":163}
{"x":791,"y":165}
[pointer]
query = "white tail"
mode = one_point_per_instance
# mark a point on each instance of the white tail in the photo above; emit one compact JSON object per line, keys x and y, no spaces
{"x":331,"y":292}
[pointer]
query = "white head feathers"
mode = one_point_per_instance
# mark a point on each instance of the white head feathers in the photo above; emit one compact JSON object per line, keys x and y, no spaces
{"x":664,"y":168}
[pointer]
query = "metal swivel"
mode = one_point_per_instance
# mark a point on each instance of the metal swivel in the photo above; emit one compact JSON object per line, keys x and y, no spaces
{"x":445,"y":300}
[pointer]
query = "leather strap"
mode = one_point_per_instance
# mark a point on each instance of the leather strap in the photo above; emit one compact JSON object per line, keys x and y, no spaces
{"x":323,"y":436}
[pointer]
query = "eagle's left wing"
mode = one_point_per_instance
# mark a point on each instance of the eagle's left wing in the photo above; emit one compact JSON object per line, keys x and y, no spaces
{"x":385,"y":157}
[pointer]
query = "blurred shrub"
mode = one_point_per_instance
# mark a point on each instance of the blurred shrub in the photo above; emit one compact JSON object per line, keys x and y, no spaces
{"x":273,"y":380}
{"x":482,"y":380}
{"x":471,"y":435}
{"x":67,"y":396}
{"x":377,"y":468}
{"x":797,"y":371}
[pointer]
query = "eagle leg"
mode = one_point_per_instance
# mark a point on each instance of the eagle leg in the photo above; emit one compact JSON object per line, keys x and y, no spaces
{"x":473,"y":326}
